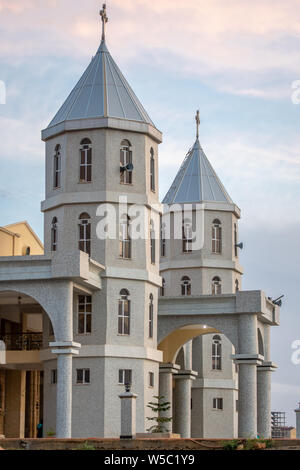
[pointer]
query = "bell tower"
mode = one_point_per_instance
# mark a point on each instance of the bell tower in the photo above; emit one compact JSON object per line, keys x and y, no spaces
{"x":212,"y":268}
{"x":102,"y":156}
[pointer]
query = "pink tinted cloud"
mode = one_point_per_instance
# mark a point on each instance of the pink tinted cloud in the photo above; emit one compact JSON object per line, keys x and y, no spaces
{"x":194,"y":37}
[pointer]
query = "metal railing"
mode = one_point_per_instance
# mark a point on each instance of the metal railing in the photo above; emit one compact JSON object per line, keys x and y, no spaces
{"x":23,"y":341}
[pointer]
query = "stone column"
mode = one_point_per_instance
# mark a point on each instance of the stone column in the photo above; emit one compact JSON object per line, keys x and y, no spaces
{"x":264,"y":399}
{"x":128,"y":414}
{"x":183,"y":395}
{"x":166,"y":372}
{"x":64,"y":352}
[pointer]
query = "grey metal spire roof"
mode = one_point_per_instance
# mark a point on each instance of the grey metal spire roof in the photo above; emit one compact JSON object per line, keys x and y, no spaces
{"x":196,"y":180}
{"x":102,"y":91}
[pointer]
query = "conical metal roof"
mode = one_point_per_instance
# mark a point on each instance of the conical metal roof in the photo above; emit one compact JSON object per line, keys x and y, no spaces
{"x":102,"y":91}
{"x":196,"y":181}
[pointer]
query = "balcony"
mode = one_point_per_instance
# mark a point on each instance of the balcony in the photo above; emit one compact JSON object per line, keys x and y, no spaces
{"x":23,"y":341}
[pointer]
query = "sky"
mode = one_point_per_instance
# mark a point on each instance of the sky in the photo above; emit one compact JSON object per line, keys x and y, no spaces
{"x":238,"y":62}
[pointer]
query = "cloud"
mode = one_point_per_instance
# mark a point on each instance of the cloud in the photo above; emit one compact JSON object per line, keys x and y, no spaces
{"x":232,"y":45}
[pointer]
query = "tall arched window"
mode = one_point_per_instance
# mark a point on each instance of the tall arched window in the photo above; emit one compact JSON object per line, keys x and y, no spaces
{"x":152,"y":242}
{"x":187,"y":237}
{"x":151,"y":311}
{"x":54,"y":234}
{"x":216,"y":236}
{"x":57,"y":168}
{"x":216,"y":353}
{"x":125,"y":161}
{"x":216,"y":286}
{"x":85,"y":170}
{"x":237,"y":285}
{"x":235,"y":239}
{"x":163,"y":286}
{"x":186,"y":286}
{"x":152,"y":170}
{"x":162,"y":239}
{"x":124,"y":237}
{"x":85,"y":233}
{"x":124,"y":313}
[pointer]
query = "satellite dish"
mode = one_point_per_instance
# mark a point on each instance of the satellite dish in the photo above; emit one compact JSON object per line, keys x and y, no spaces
{"x":240,"y":245}
{"x":128,"y":167}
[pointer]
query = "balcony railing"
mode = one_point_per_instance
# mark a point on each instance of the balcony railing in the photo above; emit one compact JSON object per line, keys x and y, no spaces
{"x":23,"y":341}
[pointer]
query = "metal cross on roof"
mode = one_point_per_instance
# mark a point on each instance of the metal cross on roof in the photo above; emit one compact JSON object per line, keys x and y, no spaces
{"x":197,"y":123}
{"x":104,"y":20}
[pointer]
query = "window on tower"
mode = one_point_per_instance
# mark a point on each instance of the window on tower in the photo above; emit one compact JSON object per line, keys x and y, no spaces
{"x":125,"y":162}
{"x":85,"y":170}
{"x":152,"y":242}
{"x":216,"y":236}
{"x":124,"y":237}
{"x":162,"y":239}
{"x":186,"y":286}
{"x":163,"y":286}
{"x":151,"y":312}
{"x":235,"y":240}
{"x":216,"y":286}
{"x":152,"y":170}
{"x":85,"y":233}
{"x":84,"y":314}
{"x":187,"y":237}
{"x":124,"y":313}
{"x":57,"y":168}
{"x":54,"y":234}
{"x":216,"y":353}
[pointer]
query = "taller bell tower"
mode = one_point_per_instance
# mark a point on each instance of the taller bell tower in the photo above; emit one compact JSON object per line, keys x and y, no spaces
{"x":102,"y":146}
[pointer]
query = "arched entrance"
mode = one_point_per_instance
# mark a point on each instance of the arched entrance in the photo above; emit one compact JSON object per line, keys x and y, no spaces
{"x":199,"y":378}
{"x":24,"y":329}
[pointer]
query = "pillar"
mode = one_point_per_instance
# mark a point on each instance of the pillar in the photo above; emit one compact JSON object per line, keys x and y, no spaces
{"x":247,"y":359}
{"x":183,"y":395}
{"x":166,"y":372}
{"x":128,"y":414}
{"x":264,"y":399}
{"x":64,"y":352}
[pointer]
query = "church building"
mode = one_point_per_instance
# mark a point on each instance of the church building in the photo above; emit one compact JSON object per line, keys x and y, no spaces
{"x":99,"y":307}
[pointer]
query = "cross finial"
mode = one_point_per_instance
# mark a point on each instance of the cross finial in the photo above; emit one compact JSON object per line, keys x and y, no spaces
{"x":104,"y":20}
{"x":197,"y":123}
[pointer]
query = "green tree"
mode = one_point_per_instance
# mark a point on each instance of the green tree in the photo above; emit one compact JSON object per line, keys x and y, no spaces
{"x":158,"y":407}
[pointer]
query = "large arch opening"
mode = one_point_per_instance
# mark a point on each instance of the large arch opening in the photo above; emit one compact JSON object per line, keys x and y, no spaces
{"x":25,"y":329}
{"x":206,"y":351}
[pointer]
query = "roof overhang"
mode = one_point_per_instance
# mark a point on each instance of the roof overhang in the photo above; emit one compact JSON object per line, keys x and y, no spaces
{"x":102,"y":123}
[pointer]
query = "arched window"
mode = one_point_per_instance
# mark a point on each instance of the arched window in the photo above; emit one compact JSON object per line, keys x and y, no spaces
{"x":216,"y":353}
{"x":124,"y":237}
{"x":57,"y":168}
{"x":216,"y":236}
{"x":151,"y":310}
{"x":216,"y":286}
{"x":54,"y":234}
{"x":152,"y":170}
{"x":28,"y":251}
{"x":235,"y":239}
{"x":162,"y":239}
{"x":85,"y":170}
{"x":125,"y":162}
{"x":187,"y":236}
{"x":237,"y":285}
{"x":124,"y":313}
{"x":186,"y":286}
{"x":85,"y":233}
{"x":152,"y":242}
{"x":163,"y":286}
